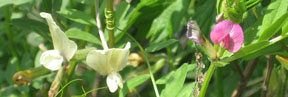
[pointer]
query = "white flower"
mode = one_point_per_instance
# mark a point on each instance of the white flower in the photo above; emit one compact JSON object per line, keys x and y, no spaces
{"x":109,"y":62}
{"x":64,"y":49}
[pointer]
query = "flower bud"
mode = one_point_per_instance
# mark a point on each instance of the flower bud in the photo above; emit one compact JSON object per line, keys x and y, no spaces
{"x":194,"y":34}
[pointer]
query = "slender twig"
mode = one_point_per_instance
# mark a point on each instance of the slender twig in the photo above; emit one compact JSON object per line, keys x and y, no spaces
{"x":239,"y":70}
{"x":268,"y":75}
{"x":247,"y":73}
{"x":96,"y":84}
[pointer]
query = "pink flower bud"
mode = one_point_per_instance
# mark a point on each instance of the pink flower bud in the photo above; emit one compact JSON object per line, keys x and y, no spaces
{"x":228,"y":34}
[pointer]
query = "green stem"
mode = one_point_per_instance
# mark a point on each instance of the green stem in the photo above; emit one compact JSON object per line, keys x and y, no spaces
{"x":219,"y":82}
{"x":207,"y":80}
{"x":70,"y":71}
{"x":110,"y":22}
{"x":147,"y":61}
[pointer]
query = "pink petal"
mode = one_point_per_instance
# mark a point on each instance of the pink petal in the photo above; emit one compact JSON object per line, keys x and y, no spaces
{"x":220,"y":31}
{"x":236,"y":38}
{"x":228,"y":33}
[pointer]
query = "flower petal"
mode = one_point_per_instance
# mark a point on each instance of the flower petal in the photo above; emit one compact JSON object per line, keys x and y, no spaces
{"x":107,"y":61}
{"x":236,"y":38}
{"x":193,"y":32}
{"x":97,"y":60}
{"x":220,"y":31}
{"x":114,"y":81}
{"x":51,"y":59}
{"x":66,"y":47}
{"x":118,"y":58}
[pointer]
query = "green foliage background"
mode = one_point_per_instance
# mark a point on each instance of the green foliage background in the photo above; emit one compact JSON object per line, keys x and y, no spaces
{"x":160,"y":27}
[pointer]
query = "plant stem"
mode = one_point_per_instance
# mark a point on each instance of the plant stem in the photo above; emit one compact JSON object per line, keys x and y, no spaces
{"x":219,"y":82}
{"x":268,"y":75}
{"x":71,"y":70}
{"x":247,"y":73}
{"x":147,"y":61}
{"x":110,"y":22}
{"x":207,"y":80}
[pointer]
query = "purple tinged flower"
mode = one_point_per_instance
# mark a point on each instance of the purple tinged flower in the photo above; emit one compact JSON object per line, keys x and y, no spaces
{"x":194,"y":32}
{"x":228,"y":34}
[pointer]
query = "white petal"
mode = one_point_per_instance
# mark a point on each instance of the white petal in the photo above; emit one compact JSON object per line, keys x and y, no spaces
{"x":128,"y":45}
{"x":66,"y":47}
{"x":118,"y":58}
{"x":114,"y":81}
{"x":97,"y":60}
{"x":51,"y":59}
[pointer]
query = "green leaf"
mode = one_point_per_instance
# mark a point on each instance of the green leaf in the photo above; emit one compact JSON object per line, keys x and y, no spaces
{"x":285,"y":28}
{"x":32,"y":25}
{"x":220,"y":64}
{"x":276,"y":14}
{"x":175,"y":82}
{"x":78,"y":16}
{"x":205,"y":16}
{"x":164,"y":79}
{"x":250,"y":34}
{"x":274,"y":28}
{"x":157,"y":46}
{"x":141,"y":10}
{"x":14,"y":2}
{"x":120,"y":13}
{"x":132,"y":83}
{"x":168,"y":21}
{"x":247,"y":50}
{"x":187,"y":90}
{"x":75,"y":33}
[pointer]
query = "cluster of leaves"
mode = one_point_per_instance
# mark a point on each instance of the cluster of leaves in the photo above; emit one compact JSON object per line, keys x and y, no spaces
{"x":160,"y":27}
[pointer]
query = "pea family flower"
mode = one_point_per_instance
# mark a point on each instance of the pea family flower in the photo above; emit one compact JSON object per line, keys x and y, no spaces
{"x":228,"y":34}
{"x":109,"y":62}
{"x":64,"y":49}
{"x":193,"y":32}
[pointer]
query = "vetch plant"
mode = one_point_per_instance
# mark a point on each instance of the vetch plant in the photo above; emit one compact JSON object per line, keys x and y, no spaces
{"x":64,"y":49}
{"x":184,"y":61}
{"x":109,"y":61}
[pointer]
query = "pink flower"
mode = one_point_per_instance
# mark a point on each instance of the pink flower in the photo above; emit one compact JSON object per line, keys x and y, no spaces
{"x":228,"y":34}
